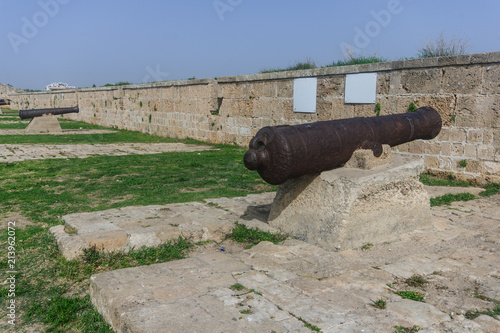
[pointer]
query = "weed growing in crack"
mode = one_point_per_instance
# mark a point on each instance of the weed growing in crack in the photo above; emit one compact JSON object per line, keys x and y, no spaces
{"x":410,"y":294}
{"x":379,"y":304}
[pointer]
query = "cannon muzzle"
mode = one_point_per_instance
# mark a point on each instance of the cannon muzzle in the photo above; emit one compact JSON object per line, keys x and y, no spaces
{"x":279,"y":153}
{"x":33,"y":113}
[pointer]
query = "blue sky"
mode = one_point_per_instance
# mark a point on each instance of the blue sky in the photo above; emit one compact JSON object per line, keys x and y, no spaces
{"x":86,"y":42}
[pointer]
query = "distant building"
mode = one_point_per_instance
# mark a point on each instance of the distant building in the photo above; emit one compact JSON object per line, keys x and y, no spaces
{"x":58,"y":86}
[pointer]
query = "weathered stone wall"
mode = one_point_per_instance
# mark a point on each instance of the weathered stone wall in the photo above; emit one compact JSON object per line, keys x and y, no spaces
{"x":464,"y":89}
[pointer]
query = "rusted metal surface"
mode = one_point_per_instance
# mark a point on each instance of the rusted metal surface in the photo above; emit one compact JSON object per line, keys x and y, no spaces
{"x":279,"y":153}
{"x":33,"y":113}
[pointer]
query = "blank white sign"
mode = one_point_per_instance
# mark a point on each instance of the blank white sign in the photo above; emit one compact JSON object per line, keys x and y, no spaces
{"x":360,"y":88}
{"x":304,"y":94}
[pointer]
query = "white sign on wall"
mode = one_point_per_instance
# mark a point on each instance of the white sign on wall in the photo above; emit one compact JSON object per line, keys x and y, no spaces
{"x":360,"y":88}
{"x":304,"y":94}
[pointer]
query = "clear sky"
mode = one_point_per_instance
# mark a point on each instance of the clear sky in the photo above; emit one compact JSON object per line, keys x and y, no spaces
{"x":86,"y":42}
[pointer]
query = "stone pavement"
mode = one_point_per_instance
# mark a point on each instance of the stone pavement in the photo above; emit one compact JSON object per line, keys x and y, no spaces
{"x":20,"y":152}
{"x":298,"y":287}
{"x":64,"y":132}
{"x":124,"y":228}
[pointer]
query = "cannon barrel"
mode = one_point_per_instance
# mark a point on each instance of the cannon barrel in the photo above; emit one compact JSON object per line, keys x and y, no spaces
{"x":33,"y":113}
{"x":279,"y":153}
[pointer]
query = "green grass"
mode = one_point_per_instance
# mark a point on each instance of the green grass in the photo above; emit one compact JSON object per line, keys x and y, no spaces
{"x":65,"y":125}
{"x":495,"y":313}
{"x":300,"y":65}
{"x":367,"y":246}
{"x":359,"y":60}
{"x":42,"y":191}
{"x":402,"y":329}
{"x":59,"y":312}
{"x":449,"y":198}
{"x":99,"y":260}
{"x":120,"y":136}
{"x":410,"y":294}
{"x":238,"y":287}
{"x":310,"y":326}
{"x":490,"y":189}
{"x":379,"y":304}
{"x":120,"y":83}
{"x":252,"y":236}
{"x":432,"y":180}
{"x":416,"y":281}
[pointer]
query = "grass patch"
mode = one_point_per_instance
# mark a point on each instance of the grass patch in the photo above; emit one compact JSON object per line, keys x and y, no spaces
{"x":310,"y":326}
{"x":449,"y":198}
{"x":416,"y":281}
{"x":102,"y":261}
{"x":432,"y":180}
{"x":410,"y":294}
{"x":379,"y":304}
{"x":492,"y":313}
{"x":42,"y":190}
{"x":237,"y":287}
{"x":490,"y":189}
{"x":367,"y":246}
{"x":60,"y":314}
{"x":242,"y":234}
{"x":357,"y":60}
{"x":118,"y":137}
{"x":402,"y":329}
{"x":46,"y":294}
{"x":300,"y":65}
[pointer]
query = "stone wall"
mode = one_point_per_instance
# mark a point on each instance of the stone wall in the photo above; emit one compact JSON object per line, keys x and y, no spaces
{"x":464,"y":89}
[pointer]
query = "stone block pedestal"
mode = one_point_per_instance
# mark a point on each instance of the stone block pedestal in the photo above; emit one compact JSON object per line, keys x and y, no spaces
{"x":44,"y":124}
{"x":346,"y":208}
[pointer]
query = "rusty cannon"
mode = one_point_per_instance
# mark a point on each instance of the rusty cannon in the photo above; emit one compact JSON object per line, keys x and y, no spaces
{"x":279,"y":153}
{"x":33,"y":113}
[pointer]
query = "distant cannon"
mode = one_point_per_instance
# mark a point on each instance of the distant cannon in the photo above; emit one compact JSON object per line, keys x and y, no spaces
{"x":279,"y":153}
{"x":33,"y":113}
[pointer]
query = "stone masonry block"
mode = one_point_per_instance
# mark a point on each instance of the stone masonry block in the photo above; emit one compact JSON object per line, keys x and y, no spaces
{"x":421,"y":80}
{"x":477,"y":112}
{"x":284,"y":88}
{"x":444,"y":135}
{"x":470,"y":151}
{"x":432,"y":148}
{"x":431,"y":162}
{"x":491,"y":82}
{"x":446,"y":149}
{"x":486,"y":152}
{"x":458,"y":134}
{"x":346,"y":208}
{"x":417,"y":147}
{"x":475,"y":136}
{"x":457,"y":149}
{"x":491,"y":168}
{"x":462,"y":80}
{"x":107,"y":240}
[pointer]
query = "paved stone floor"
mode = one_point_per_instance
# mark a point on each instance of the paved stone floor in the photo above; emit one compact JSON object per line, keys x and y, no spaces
{"x":64,"y":132}
{"x":20,"y":152}
{"x":296,"y":287}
